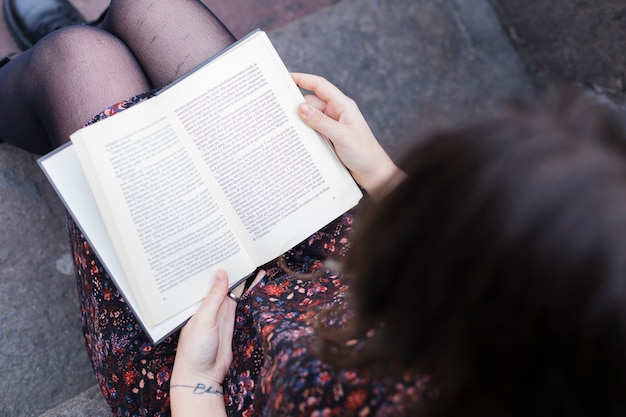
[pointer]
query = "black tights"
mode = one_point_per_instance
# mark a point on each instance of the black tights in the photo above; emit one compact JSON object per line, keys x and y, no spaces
{"x":53,"y":88}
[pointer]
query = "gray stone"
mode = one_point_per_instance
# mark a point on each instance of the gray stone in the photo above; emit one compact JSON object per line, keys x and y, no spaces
{"x":565,"y":42}
{"x":42,"y":355}
{"x":88,"y":403}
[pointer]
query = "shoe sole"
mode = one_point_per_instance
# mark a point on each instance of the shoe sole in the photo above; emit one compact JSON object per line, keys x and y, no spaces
{"x":16,"y":33}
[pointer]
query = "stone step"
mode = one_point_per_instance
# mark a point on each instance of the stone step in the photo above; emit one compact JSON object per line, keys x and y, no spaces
{"x":88,"y":403}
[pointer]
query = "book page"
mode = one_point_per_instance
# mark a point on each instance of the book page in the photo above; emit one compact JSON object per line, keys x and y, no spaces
{"x":164,"y":220}
{"x":64,"y":171}
{"x":281,"y":178}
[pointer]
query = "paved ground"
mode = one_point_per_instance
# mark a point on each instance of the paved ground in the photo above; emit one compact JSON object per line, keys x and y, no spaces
{"x":412,"y":65}
{"x":571,"y":42}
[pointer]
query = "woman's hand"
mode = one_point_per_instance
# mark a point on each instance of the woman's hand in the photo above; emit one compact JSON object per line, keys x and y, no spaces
{"x":204,"y":353}
{"x":338,"y":118}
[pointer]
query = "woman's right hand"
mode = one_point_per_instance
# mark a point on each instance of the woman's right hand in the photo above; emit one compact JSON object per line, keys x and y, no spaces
{"x":338,"y":118}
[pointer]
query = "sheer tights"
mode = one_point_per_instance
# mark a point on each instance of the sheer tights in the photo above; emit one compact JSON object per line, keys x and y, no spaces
{"x":53,"y":88}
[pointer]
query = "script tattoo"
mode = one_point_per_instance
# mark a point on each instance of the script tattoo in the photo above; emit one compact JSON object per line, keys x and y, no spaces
{"x":201,"y":389}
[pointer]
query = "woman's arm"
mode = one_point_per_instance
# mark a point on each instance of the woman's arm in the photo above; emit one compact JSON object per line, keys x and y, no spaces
{"x":338,"y":118}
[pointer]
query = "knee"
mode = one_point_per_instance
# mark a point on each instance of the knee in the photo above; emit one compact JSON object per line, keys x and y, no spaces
{"x":123,"y":14}
{"x":74,"y":47}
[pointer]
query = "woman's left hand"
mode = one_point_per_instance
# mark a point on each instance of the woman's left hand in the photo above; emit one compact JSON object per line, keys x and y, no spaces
{"x":204,"y":352}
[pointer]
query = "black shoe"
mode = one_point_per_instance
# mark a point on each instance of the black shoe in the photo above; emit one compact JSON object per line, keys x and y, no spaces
{"x":30,"y":20}
{"x":5,"y":60}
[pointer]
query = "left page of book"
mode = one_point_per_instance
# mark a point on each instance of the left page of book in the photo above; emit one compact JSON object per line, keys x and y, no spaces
{"x":161,"y":212}
{"x":63,"y":170}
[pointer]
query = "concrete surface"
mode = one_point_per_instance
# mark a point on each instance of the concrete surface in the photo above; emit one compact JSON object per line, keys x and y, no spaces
{"x":412,"y":65}
{"x":90,"y":403}
{"x":571,"y":42}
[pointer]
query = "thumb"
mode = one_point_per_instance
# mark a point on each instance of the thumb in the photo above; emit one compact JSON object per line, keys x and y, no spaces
{"x":215,"y":297}
{"x":317,"y":120}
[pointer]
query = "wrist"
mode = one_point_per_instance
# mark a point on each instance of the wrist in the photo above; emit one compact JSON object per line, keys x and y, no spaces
{"x":196,"y":383}
{"x":386,"y":176}
{"x":196,"y":399}
{"x":199,"y":388}
{"x":188,"y":373}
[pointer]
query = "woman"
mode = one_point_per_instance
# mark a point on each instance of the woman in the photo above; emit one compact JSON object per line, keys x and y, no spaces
{"x":488,"y":280}
{"x":497,"y":267}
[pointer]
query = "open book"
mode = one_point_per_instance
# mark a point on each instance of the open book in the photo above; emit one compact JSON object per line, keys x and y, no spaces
{"x":216,"y":171}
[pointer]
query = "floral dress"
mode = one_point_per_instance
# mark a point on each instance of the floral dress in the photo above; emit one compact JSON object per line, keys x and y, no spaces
{"x":274,"y":371}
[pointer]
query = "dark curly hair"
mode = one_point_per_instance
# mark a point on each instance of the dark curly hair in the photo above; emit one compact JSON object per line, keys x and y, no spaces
{"x":499,"y":266}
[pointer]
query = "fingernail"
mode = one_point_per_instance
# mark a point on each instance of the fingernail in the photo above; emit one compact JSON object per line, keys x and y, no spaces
{"x":306,"y":110}
{"x":220,"y":274}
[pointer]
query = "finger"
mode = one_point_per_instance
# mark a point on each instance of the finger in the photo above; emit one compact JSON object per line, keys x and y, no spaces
{"x":259,"y":276}
{"x":238,"y":291}
{"x":226,"y":322}
{"x":319,"y":85}
{"x":317,"y":120}
{"x":215,"y":298}
{"x":316,"y":102}
{"x":337,"y":105}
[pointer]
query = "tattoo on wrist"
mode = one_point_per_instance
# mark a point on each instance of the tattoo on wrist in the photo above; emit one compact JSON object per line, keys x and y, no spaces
{"x":202,"y":389}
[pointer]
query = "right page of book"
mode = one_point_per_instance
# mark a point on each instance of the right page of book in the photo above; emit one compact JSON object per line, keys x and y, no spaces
{"x":282,"y":179}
